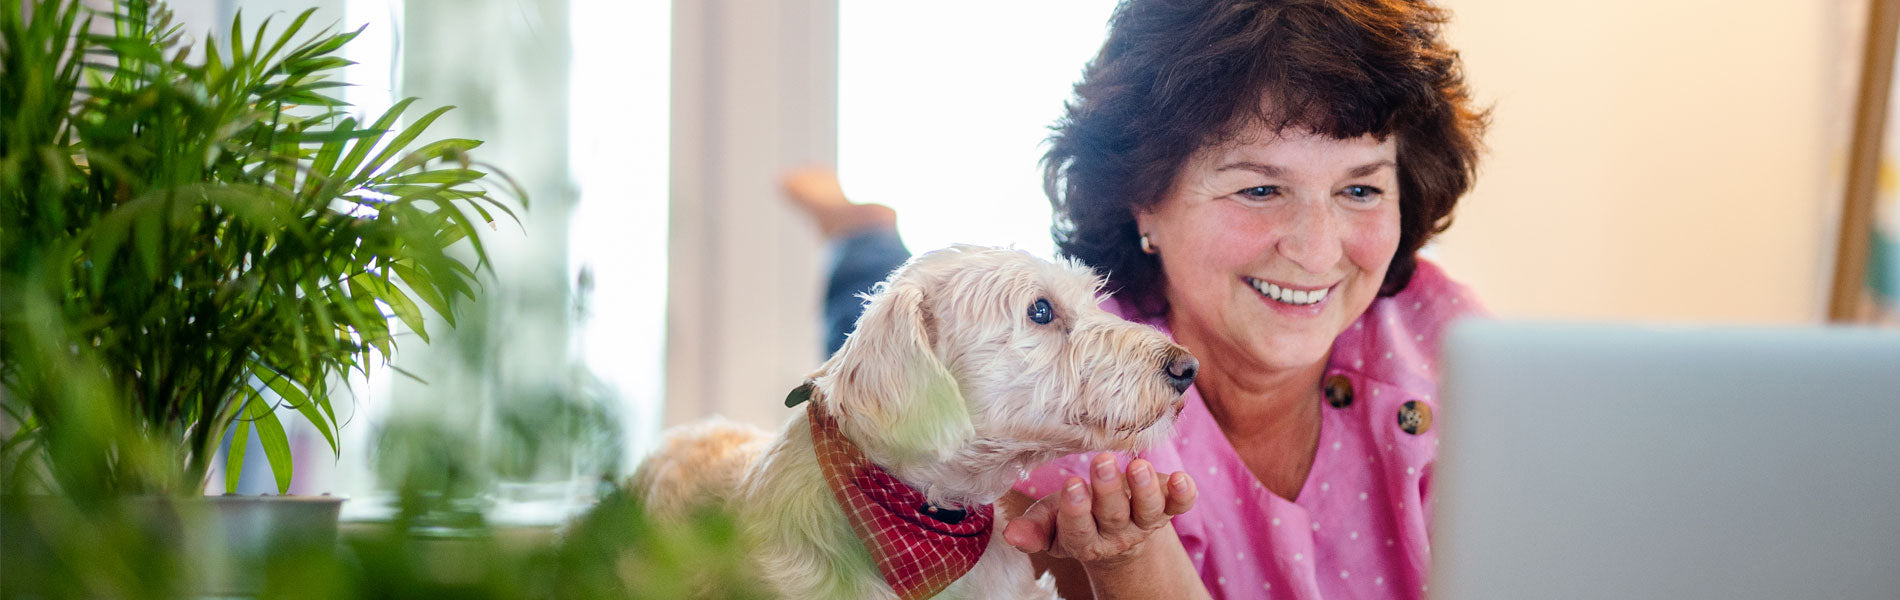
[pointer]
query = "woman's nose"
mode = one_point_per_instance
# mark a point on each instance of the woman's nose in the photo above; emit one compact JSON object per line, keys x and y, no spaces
{"x":1311,"y":236}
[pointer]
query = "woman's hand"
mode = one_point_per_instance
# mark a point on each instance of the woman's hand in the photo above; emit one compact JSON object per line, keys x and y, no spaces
{"x":1105,"y":523}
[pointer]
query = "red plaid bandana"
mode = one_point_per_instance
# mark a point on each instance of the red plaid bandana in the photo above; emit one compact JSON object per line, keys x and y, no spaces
{"x":919,"y":554}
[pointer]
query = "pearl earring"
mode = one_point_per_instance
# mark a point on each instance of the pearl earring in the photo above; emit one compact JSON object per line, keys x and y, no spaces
{"x":1147,"y":247}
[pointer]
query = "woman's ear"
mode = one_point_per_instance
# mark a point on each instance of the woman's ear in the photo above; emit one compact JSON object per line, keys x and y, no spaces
{"x":1143,"y":219}
{"x":1144,"y":224}
{"x":887,"y":387}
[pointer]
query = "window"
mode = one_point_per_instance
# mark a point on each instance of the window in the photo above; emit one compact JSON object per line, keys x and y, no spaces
{"x":943,"y":109}
{"x":594,"y":236}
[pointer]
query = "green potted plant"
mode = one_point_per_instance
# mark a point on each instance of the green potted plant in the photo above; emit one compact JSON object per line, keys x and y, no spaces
{"x":194,"y":238}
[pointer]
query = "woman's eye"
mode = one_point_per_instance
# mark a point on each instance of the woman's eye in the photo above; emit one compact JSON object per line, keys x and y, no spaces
{"x":1363,"y":192}
{"x":1041,"y":312}
{"x":1261,"y":191}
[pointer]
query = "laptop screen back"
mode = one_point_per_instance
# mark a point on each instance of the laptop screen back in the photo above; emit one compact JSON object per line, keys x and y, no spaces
{"x":1621,"y":461}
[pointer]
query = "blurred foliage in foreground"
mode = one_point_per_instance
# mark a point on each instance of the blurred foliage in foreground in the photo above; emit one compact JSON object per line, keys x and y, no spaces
{"x":111,"y":551}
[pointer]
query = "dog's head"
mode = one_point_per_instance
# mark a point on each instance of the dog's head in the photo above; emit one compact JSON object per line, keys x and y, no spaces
{"x":988,"y":361}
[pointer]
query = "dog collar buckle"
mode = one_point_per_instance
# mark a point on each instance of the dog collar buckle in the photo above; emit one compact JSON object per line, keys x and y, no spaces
{"x":947,"y":516}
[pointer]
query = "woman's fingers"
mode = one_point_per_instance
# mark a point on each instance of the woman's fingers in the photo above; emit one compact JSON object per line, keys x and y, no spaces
{"x":1181,"y":494}
{"x":1032,"y":531}
{"x":1103,"y":516}
{"x":1145,"y":498}
{"x":1111,"y":497}
{"x":1075,"y":522}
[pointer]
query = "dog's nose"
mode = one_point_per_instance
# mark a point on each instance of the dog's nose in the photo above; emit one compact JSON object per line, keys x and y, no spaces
{"x":1181,"y":371}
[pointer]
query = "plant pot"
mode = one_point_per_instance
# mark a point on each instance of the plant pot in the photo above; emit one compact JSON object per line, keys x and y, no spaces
{"x":214,"y":545}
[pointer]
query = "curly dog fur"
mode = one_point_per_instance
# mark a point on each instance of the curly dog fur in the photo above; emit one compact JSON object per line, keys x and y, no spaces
{"x":952,"y":387}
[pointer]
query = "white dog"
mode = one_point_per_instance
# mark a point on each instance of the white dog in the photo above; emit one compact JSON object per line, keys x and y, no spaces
{"x":969,"y":367}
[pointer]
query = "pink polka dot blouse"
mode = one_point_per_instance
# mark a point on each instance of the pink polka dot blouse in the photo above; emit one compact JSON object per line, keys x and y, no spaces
{"x":1359,"y":527}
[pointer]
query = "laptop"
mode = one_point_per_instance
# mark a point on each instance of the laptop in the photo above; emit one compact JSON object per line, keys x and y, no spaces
{"x":1626,"y":461}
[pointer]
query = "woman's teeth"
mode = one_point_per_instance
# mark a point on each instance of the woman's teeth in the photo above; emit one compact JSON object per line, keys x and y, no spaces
{"x":1286,"y":296}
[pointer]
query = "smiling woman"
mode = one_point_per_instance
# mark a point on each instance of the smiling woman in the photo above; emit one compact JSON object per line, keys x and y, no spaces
{"x":1271,"y":246}
{"x":1256,"y":177}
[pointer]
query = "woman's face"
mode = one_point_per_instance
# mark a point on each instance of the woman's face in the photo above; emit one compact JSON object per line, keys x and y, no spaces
{"x":1271,"y":246}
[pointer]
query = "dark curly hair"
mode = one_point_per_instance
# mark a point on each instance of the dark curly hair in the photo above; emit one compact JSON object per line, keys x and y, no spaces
{"x":1176,"y":76}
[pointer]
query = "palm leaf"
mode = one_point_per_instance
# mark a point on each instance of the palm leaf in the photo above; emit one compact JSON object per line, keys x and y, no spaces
{"x":297,"y":399}
{"x":270,"y":433}
{"x":240,"y":442}
{"x":198,"y":241}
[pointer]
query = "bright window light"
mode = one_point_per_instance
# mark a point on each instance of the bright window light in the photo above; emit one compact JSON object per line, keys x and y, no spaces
{"x":618,"y":128}
{"x":943,"y":109}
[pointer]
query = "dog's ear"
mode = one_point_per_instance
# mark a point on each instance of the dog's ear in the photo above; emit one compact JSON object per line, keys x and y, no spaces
{"x":887,"y":386}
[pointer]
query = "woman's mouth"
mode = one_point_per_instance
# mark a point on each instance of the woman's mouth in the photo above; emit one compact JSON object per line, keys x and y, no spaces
{"x":1288,"y":296}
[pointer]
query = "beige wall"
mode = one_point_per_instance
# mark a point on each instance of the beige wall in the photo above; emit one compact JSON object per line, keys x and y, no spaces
{"x":1652,"y":160}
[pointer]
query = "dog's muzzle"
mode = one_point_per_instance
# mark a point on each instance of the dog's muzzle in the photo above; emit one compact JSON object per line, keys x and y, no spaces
{"x":1180,"y":371}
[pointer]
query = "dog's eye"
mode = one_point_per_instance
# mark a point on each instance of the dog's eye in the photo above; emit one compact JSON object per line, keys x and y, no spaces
{"x":1041,"y":312}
